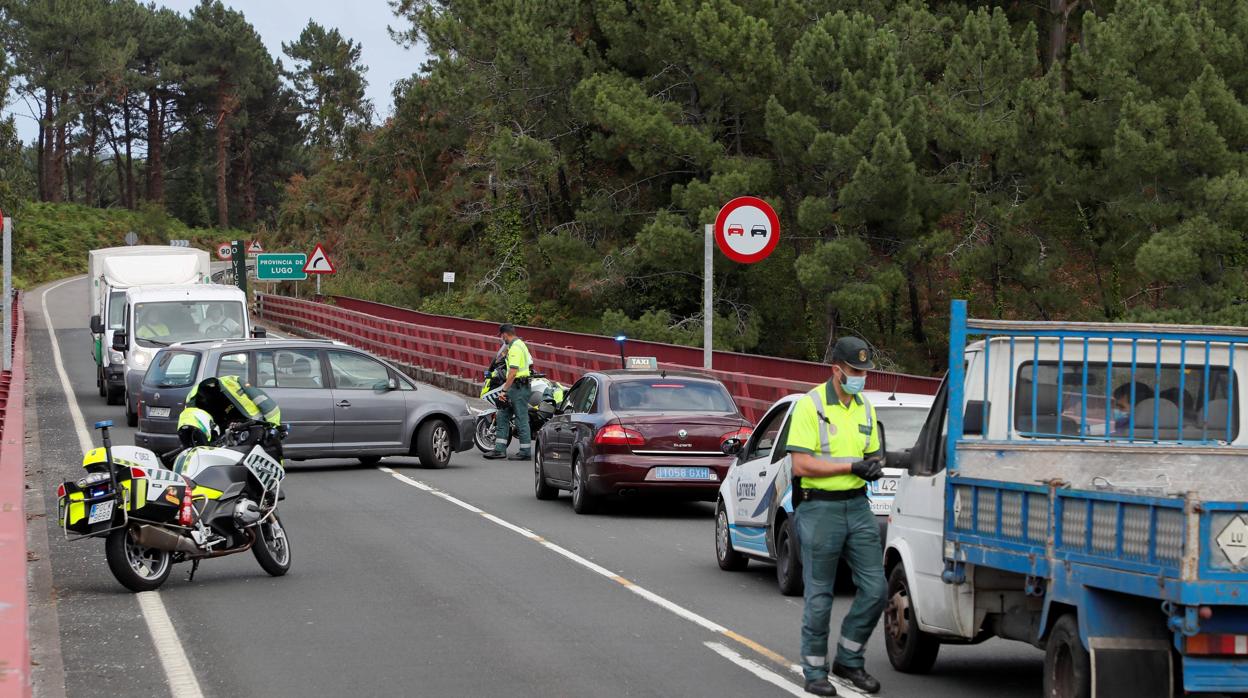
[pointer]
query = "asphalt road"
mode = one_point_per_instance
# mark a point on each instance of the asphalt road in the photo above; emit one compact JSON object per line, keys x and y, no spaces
{"x":454,"y":582}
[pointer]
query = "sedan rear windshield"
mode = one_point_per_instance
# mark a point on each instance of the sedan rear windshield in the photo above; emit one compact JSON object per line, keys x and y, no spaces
{"x":670,"y":395}
{"x":172,"y":369}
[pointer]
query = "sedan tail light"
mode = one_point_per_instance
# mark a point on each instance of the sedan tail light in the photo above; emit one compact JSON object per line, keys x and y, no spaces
{"x":742,"y":435}
{"x":616,"y":435}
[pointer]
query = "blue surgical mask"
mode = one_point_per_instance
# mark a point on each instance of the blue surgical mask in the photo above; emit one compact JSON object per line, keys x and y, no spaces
{"x":854,"y":384}
{"x":1120,"y":415}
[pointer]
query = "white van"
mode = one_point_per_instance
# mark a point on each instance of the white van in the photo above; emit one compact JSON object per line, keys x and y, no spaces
{"x":112,"y":270}
{"x":158,"y":316}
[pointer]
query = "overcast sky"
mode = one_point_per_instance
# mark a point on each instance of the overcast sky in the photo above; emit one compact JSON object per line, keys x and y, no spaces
{"x":365,"y":21}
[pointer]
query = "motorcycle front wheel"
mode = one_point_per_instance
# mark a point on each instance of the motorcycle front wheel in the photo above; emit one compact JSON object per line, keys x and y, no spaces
{"x":486,"y":432}
{"x":272,"y":547}
{"x":136,"y":567}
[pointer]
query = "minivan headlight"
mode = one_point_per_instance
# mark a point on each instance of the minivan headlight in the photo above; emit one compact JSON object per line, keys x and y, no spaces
{"x":116,"y":357}
{"x":140,"y":359}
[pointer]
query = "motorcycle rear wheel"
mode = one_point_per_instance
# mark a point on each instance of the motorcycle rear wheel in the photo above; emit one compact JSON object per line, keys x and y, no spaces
{"x":136,"y":567}
{"x":272,"y":547}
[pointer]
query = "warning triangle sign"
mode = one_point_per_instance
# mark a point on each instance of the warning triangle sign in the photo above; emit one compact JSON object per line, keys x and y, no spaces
{"x":254,"y":247}
{"x":318,"y":262}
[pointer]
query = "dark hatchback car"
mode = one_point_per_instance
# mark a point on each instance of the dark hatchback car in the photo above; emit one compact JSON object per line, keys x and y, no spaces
{"x":340,"y":402}
{"x":634,"y":432}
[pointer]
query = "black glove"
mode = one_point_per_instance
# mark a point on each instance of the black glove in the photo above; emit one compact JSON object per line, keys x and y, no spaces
{"x":869,"y":470}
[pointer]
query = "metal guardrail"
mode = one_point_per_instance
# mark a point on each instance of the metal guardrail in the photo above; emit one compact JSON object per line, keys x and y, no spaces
{"x":466,"y":354}
{"x":15,"y":677}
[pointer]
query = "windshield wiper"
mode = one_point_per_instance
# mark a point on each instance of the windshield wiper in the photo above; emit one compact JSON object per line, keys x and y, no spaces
{"x":157,"y":342}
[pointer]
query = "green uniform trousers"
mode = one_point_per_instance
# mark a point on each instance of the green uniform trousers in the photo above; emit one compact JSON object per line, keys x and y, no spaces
{"x":828,"y":531}
{"x":517,"y":404}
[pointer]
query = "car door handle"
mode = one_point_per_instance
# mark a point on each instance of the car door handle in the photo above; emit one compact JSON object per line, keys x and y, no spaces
{"x":344,"y":403}
{"x":762,"y":473}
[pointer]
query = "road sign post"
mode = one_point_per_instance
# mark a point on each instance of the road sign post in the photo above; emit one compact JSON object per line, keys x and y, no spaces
{"x":448,"y":278}
{"x":7,"y":224}
{"x":319,"y":263}
{"x":281,"y":266}
{"x":746,"y":230}
{"x":238,"y":254}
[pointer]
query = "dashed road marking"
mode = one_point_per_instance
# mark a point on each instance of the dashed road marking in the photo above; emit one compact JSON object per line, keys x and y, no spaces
{"x":753,"y":667}
{"x":178,"y":671}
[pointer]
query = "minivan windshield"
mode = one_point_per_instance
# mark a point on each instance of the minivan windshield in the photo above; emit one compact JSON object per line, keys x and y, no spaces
{"x":172,"y":369}
{"x":164,"y":323}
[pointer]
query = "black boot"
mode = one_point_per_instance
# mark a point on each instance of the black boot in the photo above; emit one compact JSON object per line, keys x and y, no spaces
{"x":859,"y":677}
{"x":495,"y":455}
{"x":821,"y":687}
{"x":521,"y":455}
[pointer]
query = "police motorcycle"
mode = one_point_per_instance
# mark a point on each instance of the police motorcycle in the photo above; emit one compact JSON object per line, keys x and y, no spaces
{"x":546,"y":395}
{"x":219,"y":498}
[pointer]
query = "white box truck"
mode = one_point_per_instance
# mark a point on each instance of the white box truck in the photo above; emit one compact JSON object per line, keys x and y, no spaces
{"x":112,"y":270}
{"x":159,"y":316}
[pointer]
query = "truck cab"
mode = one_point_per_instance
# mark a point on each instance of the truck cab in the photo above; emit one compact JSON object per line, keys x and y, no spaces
{"x":1078,"y":486}
{"x":159,"y":316}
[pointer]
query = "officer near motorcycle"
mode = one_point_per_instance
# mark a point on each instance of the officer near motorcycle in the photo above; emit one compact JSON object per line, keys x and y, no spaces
{"x":835,"y":446}
{"x":517,"y":391}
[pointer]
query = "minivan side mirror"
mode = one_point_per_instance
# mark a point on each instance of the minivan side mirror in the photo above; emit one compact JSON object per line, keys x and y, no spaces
{"x":259,"y":332}
{"x":121,"y":341}
{"x":897,"y":459}
{"x":97,"y":325}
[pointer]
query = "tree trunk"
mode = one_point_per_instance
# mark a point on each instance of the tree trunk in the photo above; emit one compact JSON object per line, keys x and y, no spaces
{"x":128,"y":134}
{"x":45,"y":144}
{"x":916,"y":313}
{"x":155,"y":148}
{"x":89,"y":175}
{"x":121,"y":176}
{"x":1059,"y":18}
{"x":223,"y":202}
{"x":249,"y":183}
{"x":56,"y":183}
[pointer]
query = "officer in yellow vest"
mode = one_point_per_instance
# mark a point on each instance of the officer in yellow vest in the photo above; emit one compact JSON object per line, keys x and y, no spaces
{"x":518,"y":390}
{"x":835,"y":446}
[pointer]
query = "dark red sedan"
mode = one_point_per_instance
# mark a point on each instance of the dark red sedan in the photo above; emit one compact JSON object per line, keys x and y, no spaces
{"x":635,"y":432}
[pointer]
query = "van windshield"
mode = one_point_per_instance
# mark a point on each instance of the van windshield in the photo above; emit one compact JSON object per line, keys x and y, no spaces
{"x":163,"y":323}
{"x":172,"y":369}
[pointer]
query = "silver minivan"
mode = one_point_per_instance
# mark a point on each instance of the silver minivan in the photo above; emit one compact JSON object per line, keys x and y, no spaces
{"x":340,"y":402}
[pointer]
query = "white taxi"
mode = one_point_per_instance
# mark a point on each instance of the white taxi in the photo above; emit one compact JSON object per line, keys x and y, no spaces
{"x":755,"y":506}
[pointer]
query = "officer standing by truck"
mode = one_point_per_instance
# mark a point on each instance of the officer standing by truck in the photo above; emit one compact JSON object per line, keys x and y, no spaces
{"x":836,"y":450}
{"x":517,"y":390}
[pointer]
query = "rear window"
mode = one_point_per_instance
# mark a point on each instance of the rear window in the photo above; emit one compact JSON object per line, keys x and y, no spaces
{"x":670,"y":395}
{"x":172,"y":369}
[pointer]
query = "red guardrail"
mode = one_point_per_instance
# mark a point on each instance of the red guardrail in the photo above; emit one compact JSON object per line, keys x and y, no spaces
{"x":466,"y":353}
{"x":807,"y":372}
{"x":14,"y":642}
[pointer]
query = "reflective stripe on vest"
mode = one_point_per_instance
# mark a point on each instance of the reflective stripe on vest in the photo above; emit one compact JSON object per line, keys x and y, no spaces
{"x":825,"y":439}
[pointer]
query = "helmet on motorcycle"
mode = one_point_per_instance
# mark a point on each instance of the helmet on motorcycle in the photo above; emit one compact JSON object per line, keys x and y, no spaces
{"x":196,"y":428}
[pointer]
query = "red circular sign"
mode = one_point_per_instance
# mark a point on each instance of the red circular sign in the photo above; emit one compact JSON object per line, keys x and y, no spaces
{"x":225,"y":251}
{"x":747,"y":229}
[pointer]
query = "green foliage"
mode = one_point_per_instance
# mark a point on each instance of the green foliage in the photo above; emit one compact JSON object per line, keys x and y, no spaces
{"x":329,"y":77}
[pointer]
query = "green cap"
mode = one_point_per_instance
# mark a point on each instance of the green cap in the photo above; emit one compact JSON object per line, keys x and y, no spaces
{"x":855,"y":352}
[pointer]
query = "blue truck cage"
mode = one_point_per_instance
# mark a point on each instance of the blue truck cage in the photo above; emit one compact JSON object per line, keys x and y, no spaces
{"x":1113,"y":481}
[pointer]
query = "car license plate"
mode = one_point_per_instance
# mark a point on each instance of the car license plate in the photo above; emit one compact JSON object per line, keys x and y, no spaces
{"x":885,"y":486}
{"x":158,"y":412}
{"x":677,"y":473}
{"x":101,"y":511}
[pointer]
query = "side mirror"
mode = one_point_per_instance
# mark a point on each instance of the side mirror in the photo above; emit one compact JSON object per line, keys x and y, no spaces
{"x":898,"y":459}
{"x":392,"y":384}
{"x":731,"y":447}
{"x":259,"y":332}
{"x":97,"y":325}
{"x":121,"y":341}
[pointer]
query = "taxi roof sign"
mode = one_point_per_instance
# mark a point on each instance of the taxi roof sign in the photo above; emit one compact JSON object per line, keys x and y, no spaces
{"x":641,"y":363}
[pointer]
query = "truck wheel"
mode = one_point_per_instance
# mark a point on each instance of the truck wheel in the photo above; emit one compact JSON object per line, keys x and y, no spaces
{"x":433,"y":444}
{"x":788,"y":561}
{"x":1067,"y":666}
{"x":910,"y":650}
{"x":728,"y":558}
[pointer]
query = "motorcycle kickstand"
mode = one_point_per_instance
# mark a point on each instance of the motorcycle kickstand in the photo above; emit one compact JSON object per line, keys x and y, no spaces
{"x":194,"y":568}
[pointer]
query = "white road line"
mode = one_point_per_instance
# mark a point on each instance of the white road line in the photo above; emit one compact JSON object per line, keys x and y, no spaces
{"x":756,"y":669}
{"x":178,"y":672}
{"x":674,"y":608}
